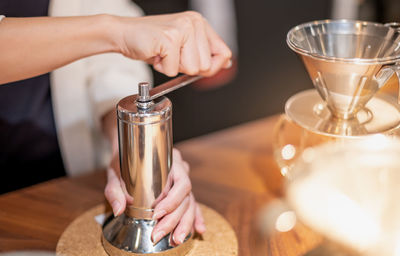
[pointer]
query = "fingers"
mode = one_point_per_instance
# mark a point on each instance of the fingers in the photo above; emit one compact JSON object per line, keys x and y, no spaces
{"x":199,"y":221}
{"x":195,"y":54}
{"x":181,"y":220}
{"x":213,"y":54}
{"x":163,"y":194}
{"x":190,"y":59}
{"x":180,"y":189}
{"x":202,"y":45}
{"x":192,"y":47}
{"x":128,"y":198}
{"x":186,"y":223}
{"x":169,"y":222}
{"x":220,"y":52}
{"x":176,"y":154}
{"x":168,"y":60}
{"x":172,"y":43}
{"x":114,"y":193}
{"x":177,"y":210}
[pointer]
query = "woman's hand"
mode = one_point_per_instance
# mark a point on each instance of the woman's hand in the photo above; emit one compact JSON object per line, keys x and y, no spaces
{"x":173,"y":43}
{"x":115,"y":190}
{"x":176,"y":209}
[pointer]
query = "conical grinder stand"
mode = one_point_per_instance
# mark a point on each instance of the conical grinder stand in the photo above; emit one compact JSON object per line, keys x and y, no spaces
{"x":145,"y":148}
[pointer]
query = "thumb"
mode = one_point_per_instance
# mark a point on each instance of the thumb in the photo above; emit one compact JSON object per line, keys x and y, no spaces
{"x":114,"y":193}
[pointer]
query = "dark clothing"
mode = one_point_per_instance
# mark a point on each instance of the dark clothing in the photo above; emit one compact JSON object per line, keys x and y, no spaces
{"x":154,"y":7}
{"x":29,"y":151}
{"x":24,"y":8}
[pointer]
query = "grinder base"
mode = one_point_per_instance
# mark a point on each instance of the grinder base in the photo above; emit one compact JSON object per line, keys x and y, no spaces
{"x":83,"y":236}
{"x":124,"y":235}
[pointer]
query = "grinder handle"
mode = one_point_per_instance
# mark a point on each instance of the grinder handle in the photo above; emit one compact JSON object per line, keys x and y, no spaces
{"x":169,"y":86}
{"x":164,"y":88}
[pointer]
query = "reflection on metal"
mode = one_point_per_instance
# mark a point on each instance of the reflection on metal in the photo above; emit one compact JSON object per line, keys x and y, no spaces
{"x":145,"y":147}
{"x":124,"y":235}
{"x":380,"y":115}
{"x":285,"y":221}
{"x":288,"y":152}
{"x":145,"y":144}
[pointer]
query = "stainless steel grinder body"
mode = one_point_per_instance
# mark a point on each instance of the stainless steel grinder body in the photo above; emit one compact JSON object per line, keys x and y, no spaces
{"x":145,"y":147}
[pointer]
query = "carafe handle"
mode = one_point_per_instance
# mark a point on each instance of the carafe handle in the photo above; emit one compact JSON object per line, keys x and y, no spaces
{"x":387,"y":72}
{"x":394,"y":69}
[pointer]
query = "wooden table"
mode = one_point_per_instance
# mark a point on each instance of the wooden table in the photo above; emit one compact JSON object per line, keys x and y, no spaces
{"x":232,"y":171}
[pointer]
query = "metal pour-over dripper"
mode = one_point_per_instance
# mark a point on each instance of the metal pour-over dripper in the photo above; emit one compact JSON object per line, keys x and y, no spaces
{"x":348,"y":61}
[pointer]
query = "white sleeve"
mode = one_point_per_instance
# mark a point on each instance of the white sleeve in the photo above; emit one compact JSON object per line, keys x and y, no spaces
{"x":112,"y":76}
{"x":2,"y":17}
{"x":103,"y":80}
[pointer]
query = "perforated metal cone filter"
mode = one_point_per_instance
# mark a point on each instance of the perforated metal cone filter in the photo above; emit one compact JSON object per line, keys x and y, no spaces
{"x":346,"y":60}
{"x":346,"y":40}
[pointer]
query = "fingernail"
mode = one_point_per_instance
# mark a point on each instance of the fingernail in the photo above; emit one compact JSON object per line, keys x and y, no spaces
{"x":157,"y":215}
{"x":180,"y":238}
{"x":157,"y":237}
{"x":229,"y":65}
{"x":201,"y":229}
{"x":116,"y":206}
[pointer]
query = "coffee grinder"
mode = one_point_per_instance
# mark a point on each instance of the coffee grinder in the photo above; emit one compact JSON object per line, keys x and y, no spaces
{"x":348,"y":62}
{"x":145,"y":148}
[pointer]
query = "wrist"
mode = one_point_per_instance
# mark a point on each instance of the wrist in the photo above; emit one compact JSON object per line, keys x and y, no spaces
{"x":117,"y":28}
{"x":110,"y":30}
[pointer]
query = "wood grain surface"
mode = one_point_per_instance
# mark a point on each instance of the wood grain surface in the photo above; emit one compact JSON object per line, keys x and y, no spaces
{"x":82,"y":236}
{"x":232,"y":171}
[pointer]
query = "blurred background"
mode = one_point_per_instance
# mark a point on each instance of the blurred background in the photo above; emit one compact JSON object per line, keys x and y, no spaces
{"x":265,"y":72}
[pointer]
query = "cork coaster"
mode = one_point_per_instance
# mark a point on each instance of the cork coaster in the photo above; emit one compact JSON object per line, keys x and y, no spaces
{"x":83,"y":236}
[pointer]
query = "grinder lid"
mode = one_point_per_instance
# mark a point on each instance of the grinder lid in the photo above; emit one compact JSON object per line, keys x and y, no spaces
{"x":149,"y":106}
{"x":130,"y":110}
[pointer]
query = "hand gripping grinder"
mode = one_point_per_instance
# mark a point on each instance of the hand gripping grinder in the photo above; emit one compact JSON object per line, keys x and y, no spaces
{"x":145,"y":150}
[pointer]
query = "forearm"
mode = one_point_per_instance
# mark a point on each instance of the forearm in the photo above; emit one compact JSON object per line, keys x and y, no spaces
{"x":33,"y":46}
{"x":182,"y":42}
